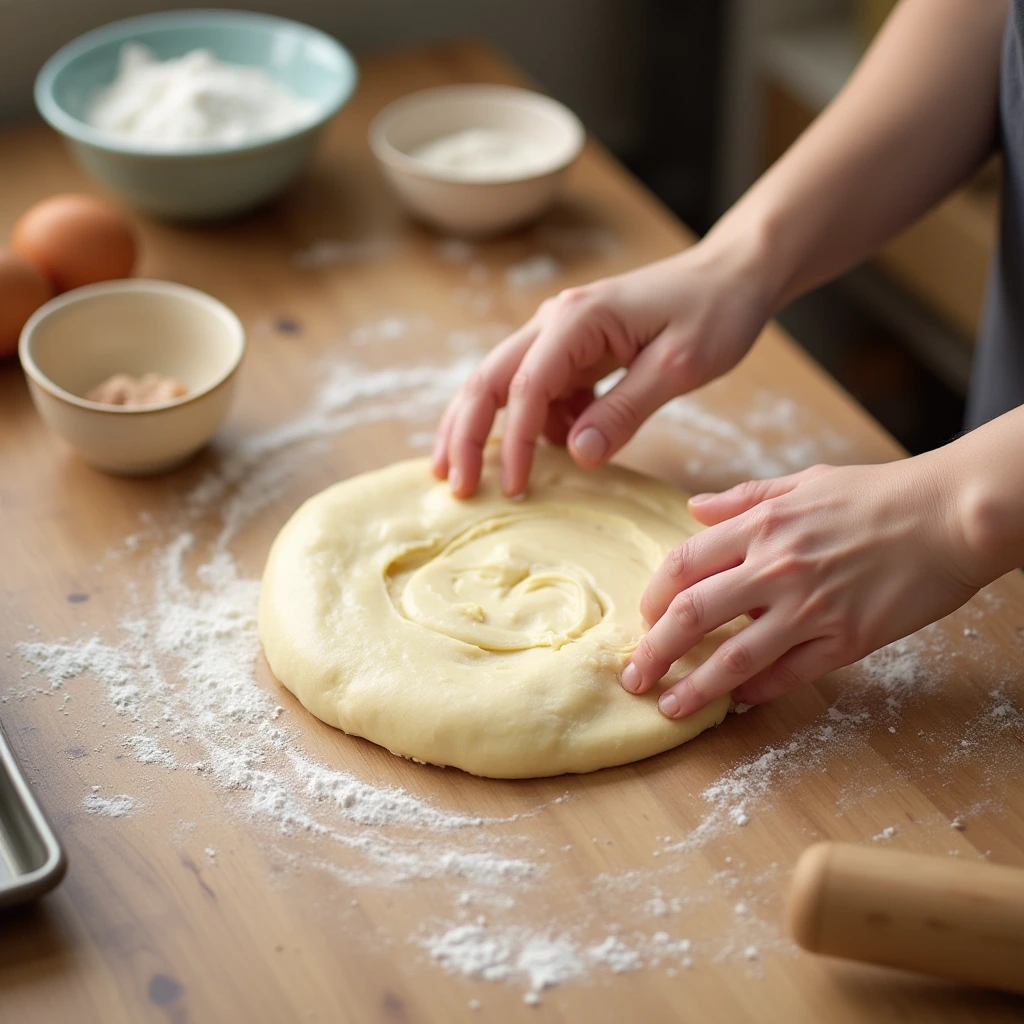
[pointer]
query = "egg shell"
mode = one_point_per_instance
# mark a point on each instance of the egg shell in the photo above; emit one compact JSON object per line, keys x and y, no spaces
{"x":76,"y":240}
{"x":23,"y":289}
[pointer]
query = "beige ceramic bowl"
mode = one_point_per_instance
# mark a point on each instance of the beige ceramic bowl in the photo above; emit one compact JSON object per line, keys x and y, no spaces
{"x":81,"y":338}
{"x":453,"y":201}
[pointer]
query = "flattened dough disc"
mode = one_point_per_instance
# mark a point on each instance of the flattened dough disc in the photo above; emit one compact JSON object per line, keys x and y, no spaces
{"x":487,"y":634}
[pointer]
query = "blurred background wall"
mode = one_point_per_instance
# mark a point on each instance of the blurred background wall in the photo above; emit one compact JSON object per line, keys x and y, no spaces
{"x":696,"y":97}
{"x":590,"y":53}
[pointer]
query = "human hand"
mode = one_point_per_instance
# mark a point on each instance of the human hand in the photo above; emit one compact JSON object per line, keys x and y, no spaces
{"x":831,"y":563}
{"x":674,"y":325}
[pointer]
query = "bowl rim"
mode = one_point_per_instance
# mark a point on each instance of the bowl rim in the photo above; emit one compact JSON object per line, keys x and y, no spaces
{"x":122,"y":31}
{"x":391,"y":156}
{"x":150,"y":286}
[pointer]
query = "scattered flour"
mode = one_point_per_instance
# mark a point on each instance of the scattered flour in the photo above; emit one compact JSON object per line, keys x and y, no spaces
{"x":331,"y":252}
{"x":192,"y":650}
{"x":121,"y":806}
{"x":615,"y":954}
{"x":509,"y":954}
{"x":773,"y":439}
{"x":255,"y":473}
{"x":533,"y":272}
{"x":146,"y":750}
{"x":894,"y":673}
{"x":541,"y":958}
{"x":182,"y":674}
{"x":364,"y":804}
{"x":59,"y":662}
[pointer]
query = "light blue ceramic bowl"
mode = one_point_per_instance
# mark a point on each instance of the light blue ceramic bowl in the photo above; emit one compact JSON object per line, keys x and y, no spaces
{"x":210,"y":181}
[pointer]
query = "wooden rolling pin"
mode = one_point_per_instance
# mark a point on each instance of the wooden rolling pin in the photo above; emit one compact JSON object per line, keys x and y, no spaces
{"x":954,"y":919}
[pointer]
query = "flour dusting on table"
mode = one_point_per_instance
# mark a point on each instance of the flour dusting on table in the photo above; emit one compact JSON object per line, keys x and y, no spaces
{"x":186,"y":693}
{"x":120,"y":806}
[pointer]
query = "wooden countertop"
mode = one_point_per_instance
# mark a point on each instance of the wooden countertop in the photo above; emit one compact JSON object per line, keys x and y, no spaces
{"x":194,"y":910}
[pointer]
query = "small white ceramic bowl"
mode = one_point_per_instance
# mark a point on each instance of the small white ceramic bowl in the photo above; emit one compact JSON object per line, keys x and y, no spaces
{"x":81,"y":338}
{"x":453,"y":201}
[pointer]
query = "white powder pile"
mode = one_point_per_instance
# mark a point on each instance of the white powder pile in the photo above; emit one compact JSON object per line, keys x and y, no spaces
{"x":506,"y":954}
{"x":616,"y":955}
{"x":194,"y":100}
{"x":146,"y":750}
{"x":121,"y":806}
{"x":658,"y":906}
{"x":542,"y":958}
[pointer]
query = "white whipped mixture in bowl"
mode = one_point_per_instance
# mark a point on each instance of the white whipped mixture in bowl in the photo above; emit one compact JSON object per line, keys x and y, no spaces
{"x":194,"y":100}
{"x":484,"y":154}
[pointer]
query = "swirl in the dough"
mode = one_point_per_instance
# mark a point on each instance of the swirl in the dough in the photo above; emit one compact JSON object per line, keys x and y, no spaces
{"x":521,"y":580}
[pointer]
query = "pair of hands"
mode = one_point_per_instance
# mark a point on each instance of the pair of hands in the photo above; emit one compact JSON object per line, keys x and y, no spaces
{"x":831,"y":563}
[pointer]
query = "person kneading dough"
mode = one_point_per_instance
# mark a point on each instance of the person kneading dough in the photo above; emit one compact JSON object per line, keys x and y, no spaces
{"x":487,"y":634}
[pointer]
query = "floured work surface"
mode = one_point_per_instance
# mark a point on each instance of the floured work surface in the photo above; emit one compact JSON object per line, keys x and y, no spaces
{"x":232,"y":858}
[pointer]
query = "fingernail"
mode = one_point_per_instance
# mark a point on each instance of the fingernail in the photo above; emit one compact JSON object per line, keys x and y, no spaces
{"x":630,"y":678}
{"x":590,"y":444}
{"x":697,"y":498}
{"x":669,"y":705}
{"x":454,"y":479}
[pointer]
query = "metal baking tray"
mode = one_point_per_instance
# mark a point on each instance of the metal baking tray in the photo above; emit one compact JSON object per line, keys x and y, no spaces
{"x":31,"y":860}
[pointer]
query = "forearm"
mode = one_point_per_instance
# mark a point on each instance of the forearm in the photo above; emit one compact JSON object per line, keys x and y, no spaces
{"x":915,"y":119}
{"x":986,"y":469}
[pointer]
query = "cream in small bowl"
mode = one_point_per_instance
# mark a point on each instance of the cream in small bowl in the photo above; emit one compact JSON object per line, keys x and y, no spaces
{"x":81,"y":339}
{"x":476,"y":159}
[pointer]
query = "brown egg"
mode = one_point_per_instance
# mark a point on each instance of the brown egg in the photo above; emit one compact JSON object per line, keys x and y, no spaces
{"x":76,"y":240}
{"x":23,"y":289}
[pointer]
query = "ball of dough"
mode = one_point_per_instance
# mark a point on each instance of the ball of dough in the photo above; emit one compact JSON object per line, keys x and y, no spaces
{"x":487,"y":634}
